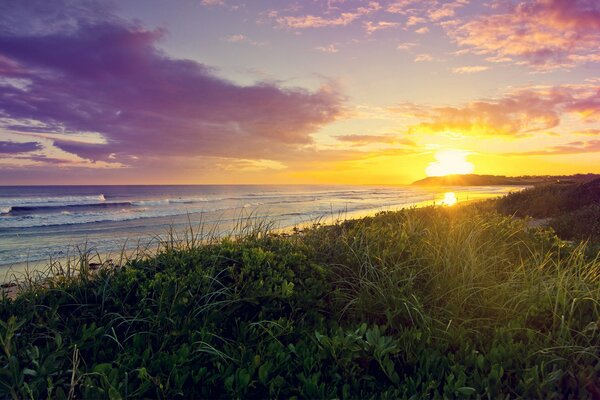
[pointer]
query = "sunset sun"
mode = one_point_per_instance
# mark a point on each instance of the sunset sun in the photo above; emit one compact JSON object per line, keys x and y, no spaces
{"x":449,"y":162}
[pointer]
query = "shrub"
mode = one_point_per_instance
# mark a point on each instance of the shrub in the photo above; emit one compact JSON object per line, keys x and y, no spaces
{"x":424,"y":303}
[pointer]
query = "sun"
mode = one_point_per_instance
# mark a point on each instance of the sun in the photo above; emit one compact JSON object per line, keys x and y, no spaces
{"x":449,"y":162}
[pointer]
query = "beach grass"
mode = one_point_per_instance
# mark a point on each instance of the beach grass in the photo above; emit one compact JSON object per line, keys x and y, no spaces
{"x":437,"y":302}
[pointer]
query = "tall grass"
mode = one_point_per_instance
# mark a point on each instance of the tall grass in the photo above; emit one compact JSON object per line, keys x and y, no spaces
{"x":421,"y":303}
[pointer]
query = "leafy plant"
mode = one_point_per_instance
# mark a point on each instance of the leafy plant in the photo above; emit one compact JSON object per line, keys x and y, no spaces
{"x":423,"y":303}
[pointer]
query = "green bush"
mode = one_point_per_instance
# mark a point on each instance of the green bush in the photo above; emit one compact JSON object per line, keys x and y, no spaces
{"x":582,"y":224}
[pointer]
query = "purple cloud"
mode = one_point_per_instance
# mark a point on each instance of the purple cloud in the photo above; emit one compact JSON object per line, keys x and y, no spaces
{"x":542,"y":34}
{"x":16,"y":148}
{"x":110,"y":78}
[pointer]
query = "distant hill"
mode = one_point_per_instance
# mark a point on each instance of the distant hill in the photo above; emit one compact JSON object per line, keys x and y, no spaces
{"x":493,"y":180}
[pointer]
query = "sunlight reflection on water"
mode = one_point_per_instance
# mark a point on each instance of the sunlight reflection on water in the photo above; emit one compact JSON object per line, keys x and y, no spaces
{"x":449,"y":199}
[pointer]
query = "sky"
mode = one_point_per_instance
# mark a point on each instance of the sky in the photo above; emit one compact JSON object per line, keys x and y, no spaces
{"x":298,"y":92}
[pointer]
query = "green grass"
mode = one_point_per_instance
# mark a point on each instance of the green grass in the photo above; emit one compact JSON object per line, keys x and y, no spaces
{"x":550,"y":200}
{"x":425,"y":303}
{"x":571,"y":209}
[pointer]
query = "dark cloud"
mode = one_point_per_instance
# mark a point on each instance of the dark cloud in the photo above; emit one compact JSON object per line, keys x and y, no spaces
{"x":17,"y":148}
{"x":108,"y":76}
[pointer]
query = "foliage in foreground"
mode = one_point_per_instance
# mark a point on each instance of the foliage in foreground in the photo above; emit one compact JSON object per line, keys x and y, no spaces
{"x":428,"y":303}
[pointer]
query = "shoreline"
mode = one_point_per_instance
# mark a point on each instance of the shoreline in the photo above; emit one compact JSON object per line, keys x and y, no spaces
{"x":36,"y":272}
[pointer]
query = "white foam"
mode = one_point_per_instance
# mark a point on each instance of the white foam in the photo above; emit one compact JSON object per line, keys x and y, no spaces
{"x":150,"y":203}
{"x":189,"y":200}
{"x":49,"y":201}
{"x":124,"y":214}
{"x":163,"y":202}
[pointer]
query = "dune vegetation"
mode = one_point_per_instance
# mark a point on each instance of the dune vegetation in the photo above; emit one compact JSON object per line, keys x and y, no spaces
{"x":454,"y":302}
{"x":572,"y":209}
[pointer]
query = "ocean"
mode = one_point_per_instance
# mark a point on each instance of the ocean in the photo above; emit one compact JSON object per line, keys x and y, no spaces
{"x":38,"y":223}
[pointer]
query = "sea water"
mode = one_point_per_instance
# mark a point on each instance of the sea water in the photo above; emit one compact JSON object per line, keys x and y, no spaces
{"x":38,"y":223}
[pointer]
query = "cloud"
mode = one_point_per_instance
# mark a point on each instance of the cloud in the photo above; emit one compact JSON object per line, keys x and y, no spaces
{"x":497,"y":59}
{"x":332,"y":48}
{"x":222,"y":3}
{"x":313,"y":21}
{"x":446,"y":10}
{"x":239,"y":38}
{"x":109,"y":77}
{"x":469,"y":69}
{"x":361,"y":140}
{"x":541,"y":34}
{"x":321,"y":21}
{"x":406,"y":45}
{"x":382,"y":14}
{"x":213,"y":2}
{"x":17,"y":148}
{"x":236,"y":38}
{"x":414,"y":20}
{"x":371,"y":27}
{"x":519,"y":112}
{"x":590,"y":132}
{"x":245,"y":165}
{"x":587,"y":108}
{"x":577,"y":147}
{"x":401,"y":6}
{"x":423,"y":57}
{"x":422,"y":11}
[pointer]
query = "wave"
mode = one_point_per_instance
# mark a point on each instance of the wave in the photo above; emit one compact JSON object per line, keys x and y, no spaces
{"x":150,"y":203}
{"x":9,"y":204}
{"x":51,"y":199}
{"x":28,"y":207}
{"x":179,"y":200}
{"x":126,"y":211}
{"x":47,"y":209}
{"x":66,"y":210}
{"x":31,"y":205}
{"x":66,"y":219}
